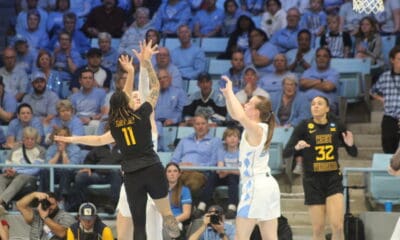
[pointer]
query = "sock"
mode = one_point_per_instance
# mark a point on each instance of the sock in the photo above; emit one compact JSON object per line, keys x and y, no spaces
{"x":202,"y":206}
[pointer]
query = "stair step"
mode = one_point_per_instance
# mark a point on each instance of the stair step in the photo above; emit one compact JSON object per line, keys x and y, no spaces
{"x":364,"y":153}
{"x":367,"y":140}
{"x":364,"y":128}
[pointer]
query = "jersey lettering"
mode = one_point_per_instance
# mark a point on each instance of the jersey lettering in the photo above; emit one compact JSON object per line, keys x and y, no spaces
{"x":324,"y":153}
{"x":129,"y":136}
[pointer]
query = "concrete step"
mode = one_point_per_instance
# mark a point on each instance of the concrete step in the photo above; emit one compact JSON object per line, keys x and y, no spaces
{"x":364,"y":153}
{"x":367,"y":140}
{"x":364,"y":128}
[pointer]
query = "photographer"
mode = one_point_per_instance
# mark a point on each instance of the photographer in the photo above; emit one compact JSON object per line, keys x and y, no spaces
{"x":213,"y":226}
{"x":47,"y":221}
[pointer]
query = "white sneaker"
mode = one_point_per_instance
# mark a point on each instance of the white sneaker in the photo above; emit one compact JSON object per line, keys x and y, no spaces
{"x":298,"y":169}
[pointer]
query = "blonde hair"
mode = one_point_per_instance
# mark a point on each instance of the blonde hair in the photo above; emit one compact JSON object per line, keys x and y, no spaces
{"x":229,"y":132}
{"x":32,"y":133}
{"x":267,"y":116}
{"x":65,"y":103}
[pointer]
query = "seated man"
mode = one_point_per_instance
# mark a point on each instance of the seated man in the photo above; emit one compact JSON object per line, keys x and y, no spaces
{"x":88,"y":101}
{"x":214,"y":226}
{"x":251,"y":87}
{"x":206,"y":101}
{"x":199,"y":149}
{"x":89,"y":225}
{"x":107,"y":154}
{"x":47,"y":219}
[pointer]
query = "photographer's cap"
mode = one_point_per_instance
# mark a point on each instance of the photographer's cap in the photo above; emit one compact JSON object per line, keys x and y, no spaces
{"x":87,"y":211}
{"x":217,"y":209}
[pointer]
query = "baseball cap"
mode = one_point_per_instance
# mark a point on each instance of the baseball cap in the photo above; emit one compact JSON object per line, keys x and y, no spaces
{"x":87,"y":211}
{"x":37,"y":75}
{"x":251,"y":68}
{"x":20,"y":39}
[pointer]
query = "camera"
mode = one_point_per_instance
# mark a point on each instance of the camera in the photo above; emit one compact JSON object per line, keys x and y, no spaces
{"x":214,"y":219}
{"x":45,"y":204}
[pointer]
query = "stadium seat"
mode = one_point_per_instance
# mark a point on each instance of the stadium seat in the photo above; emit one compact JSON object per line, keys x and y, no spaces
{"x":219,"y":131}
{"x":388,"y":43}
{"x":212,"y":47}
{"x":172,"y":43}
{"x":282,"y":135}
{"x":275,"y":158}
{"x":217,"y":67}
{"x":382,"y":187}
{"x":169,"y":136}
{"x":165,"y":157}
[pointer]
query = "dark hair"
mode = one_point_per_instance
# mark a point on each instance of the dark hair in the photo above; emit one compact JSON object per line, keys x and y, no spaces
{"x":65,"y":33}
{"x":85,"y":70}
{"x":204,"y":75}
{"x":276,"y":1}
{"x":51,"y":195}
{"x":40,"y":54}
{"x":325,"y":99}
{"x":119,"y":108}
{"x":176,"y":191}
{"x":1,"y":81}
{"x":156,"y":32}
{"x":22,"y":105}
{"x":69,"y":15}
{"x":323,"y":49}
{"x":58,"y":4}
{"x":261,"y":32}
{"x":306,"y":31}
{"x":238,"y":30}
{"x":394,"y":51}
{"x":33,"y":12}
{"x":373,"y":23}
{"x":229,"y":1}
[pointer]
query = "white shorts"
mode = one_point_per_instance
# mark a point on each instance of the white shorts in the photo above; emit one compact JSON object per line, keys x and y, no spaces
{"x":260,"y":198}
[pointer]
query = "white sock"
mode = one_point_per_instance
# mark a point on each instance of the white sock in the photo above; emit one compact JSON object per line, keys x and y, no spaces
{"x":202,"y":206}
{"x":232,"y":207}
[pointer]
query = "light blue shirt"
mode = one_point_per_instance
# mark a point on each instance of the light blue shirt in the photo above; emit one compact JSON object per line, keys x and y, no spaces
{"x":210,"y":234}
{"x":285,"y":39}
{"x":268,"y":50}
{"x":190,"y":61}
{"x":9,"y":104}
{"x":110,"y":60}
{"x":202,"y":152}
{"x":15,"y":128}
{"x":37,"y":39}
{"x":209,"y":21}
{"x":22,"y":20}
{"x":300,"y":108}
{"x":170,"y":104}
{"x":175,"y":75}
{"x":73,"y":151}
{"x":88,"y":104}
{"x":42,"y":105}
{"x":15,"y":81}
{"x":75,"y":125}
{"x":169,"y":17}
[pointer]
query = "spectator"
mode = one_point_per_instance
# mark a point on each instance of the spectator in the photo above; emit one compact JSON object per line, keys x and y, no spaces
{"x":206,"y":101}
{"x":235,"y":73}
{"x":255,"y":7}
{"x":170,"y":16}
{"x":65,"y":118}
{"x":228,"y":156}
{"x":89,"y":225}
{"x":272,"y":82}
{"x":105,"y":18}
{"x":22,"y":24}
{"x":36,"y":37}
{"x":8,"y":105}
{"x":88,"y":101}
{"x":321,"y":80}
{"x":55,"y":19}
{"x":301,"y":5}
{"x":47,"y":219}
{"x":208,"y":22}
{"x":179,"y":196}
{"x":42,"y":101}
{"x":14,"y":78}
{"x":60,"y":153}
{"x":109,"y":58}
{"x":66,"y":60}
{"x":199,"y":149}
{"x":303,"y":57}
{"x":385,"y":90}
{"x":136,"y":32}
{"x":14,"y":179}
{"x":81,"y":8}
{"x":314,"y":20}
{"x":189,"y":58}
{"x":4,"y":229}
{"x":286,"y":38}
{"x":101,"y":155}
{"x":349,"y":19}
{"x":368,"y":43}
{"x":80,"y":42}
{"x":389,"y":20}
{"x":24,"y":119}
{"x":45,"y":65}
{"x":274,"y":18}
{"x":163,"y":60}
{"x":239,"y":39}
{"x":251,"y":86}
{"x":338,"y":42}
{"x":290,"y":106}
{"x":232,"y":14}
{"x":332,"y":6}
{"x":214,"y":226}
{"x":260,"y":53}
{"x":155,"y":38}
{"x":26,"y":56}
{"x":102,"y":76}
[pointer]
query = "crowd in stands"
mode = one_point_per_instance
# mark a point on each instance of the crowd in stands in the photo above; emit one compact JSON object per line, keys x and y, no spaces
{"x":60,"y":68}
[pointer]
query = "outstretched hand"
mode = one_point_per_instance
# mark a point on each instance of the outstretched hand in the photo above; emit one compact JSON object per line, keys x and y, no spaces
{"x":146,"y":51}
{"x":348,"y":138}
{"x":228,"y":85}
{"x":63,"y":139}
{"x":126,"y":63}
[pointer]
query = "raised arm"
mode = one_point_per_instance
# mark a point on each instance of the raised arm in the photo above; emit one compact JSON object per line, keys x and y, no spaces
{"x":236,"y":111}
{"x":126,"y":64}
{"x":146,"y":52}
{"x":91,"y":140}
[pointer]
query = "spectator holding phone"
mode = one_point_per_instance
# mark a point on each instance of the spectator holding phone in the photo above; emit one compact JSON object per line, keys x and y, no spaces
{"x":214,"y":226}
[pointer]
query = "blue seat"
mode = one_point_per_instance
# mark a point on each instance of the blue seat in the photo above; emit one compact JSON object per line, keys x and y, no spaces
{"x":382,"y":187}
{"x":192,"y":86}
{"x":282,"y":135}
{"x":165,"y":157}
{"x":212,"y":47}
{"x":169,"y":136}
{"x":184,"y":132}
{"x":275,"y":162}
{"x":172,"y":43}
{"x":219,"y":131}
{"x":217,"y":67}
{"x":388,"y":42}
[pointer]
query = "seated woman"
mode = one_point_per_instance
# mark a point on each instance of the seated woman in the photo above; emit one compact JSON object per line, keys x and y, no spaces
{"x":368,"y":41}
{"x":179,"y":196}
{"x":24,"y":119}
{"x":14,"y":179}
{"x":60,"y":153}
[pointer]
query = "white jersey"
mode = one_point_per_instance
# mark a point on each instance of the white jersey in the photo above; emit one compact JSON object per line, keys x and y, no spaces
{"x":260,"y":195}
